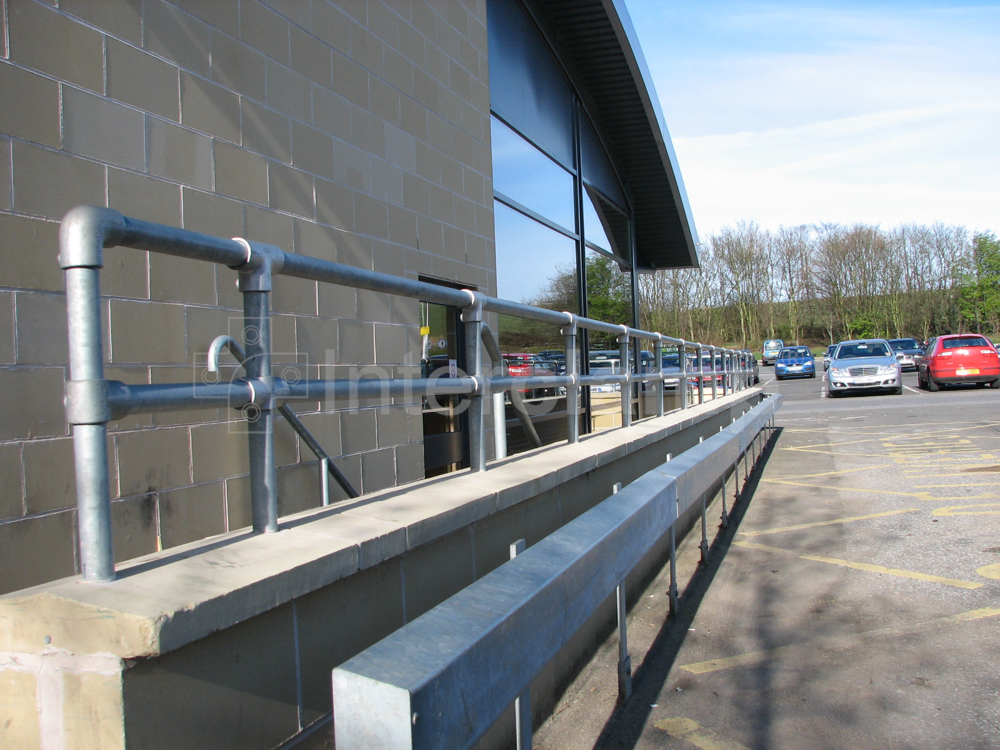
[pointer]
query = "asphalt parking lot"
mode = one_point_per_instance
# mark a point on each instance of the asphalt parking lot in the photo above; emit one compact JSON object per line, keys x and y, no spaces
{"x":853,"y":602}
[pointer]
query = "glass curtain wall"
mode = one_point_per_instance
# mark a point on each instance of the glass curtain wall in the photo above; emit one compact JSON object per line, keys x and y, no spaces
{"x":563,"y":228}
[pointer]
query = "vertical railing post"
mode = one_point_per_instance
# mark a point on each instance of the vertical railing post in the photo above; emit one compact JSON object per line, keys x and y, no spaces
{"x":84,"y":233}
{"x":569,"y":332}
{"x":624,"y":660}
{"x":725,"y":372}
{"x":682,"y":348}
{"x":623,"y":352}
{"x":472,"y":316}
{"x":522,"y":704}
{"x":324,"y":481}
{"x":701,"y":374}
{"x":715,"y":374}
{"x":704,"y":528}
{"x":255,"y":284}
{"x":659,"y":383}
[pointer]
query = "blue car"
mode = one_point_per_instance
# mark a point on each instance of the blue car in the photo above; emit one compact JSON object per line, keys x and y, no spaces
{"x":795,"y":362}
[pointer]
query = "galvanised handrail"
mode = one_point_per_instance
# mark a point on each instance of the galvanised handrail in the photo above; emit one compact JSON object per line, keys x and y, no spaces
{"x":92,"y":401}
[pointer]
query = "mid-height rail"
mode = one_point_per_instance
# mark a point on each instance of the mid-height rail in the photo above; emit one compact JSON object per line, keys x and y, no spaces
{"x":92,"y":401}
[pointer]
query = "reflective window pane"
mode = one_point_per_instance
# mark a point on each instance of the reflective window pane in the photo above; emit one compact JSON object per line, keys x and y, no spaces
{"x":526,"y":85}
{"x":593,"y":227}
{"x":535,"y":264}
{"x":609,"y":296}
{"x":597,"y":169}
{"x":525,"y":174}
{"x":610,"y":225}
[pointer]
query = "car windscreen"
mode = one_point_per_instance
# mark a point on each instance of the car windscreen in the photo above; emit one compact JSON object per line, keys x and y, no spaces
{"x":852,"y":351}
{"x":802,"y":352}
{"x":963,"y":341}
{"x":904,"y":344}
{"x":671,"y":362}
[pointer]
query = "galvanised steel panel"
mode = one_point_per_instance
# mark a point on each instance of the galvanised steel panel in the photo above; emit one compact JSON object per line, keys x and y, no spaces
{"x":455,"y":669}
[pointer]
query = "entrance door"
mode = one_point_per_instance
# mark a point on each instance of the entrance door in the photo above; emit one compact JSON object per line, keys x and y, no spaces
{"x":446,"y":444}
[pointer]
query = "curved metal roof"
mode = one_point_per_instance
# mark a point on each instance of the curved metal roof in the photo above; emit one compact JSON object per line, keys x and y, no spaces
{"x":598,"y":42}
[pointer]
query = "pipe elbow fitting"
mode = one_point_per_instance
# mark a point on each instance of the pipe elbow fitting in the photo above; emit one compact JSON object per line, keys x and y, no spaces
{"x":85,"y":231}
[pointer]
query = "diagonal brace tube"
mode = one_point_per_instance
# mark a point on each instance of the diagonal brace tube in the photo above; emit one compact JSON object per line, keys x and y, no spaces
{"x":215,"y":350}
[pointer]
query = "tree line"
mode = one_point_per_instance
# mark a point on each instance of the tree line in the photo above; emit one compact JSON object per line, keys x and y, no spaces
{"x":827,"y":283}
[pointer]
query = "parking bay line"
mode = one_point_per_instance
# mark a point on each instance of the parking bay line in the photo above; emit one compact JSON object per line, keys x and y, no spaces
{"x":752,"y":658}
{"x":898,"y":493}
{"x":897,"y":572}
{"x":929,"y":486}
{"x":796,"y":527}
{"x":968,"y":510}
{"x":692,"y":732}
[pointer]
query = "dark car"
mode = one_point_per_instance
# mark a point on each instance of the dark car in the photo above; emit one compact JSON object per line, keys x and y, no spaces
{"x":959,"y":358}
{"x":795,"y":362}
{"x":908,"y":353}
{"x":753,"y":374}
{"x":828,"y":355}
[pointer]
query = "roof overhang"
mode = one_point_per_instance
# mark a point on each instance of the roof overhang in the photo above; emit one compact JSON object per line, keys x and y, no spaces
{"x":599,"y":43}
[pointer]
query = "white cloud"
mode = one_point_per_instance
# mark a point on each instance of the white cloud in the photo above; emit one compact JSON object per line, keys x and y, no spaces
{"x":924,"y":165}
{"x":823,"y":110}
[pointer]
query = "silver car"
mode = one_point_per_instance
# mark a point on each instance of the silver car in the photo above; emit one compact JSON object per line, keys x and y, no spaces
{"x":864,"y":365}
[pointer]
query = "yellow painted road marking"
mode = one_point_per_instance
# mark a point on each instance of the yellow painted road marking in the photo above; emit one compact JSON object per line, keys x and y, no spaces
{"x":968,"y":510}
{"x":763,"y":547}
{"x":918,"y":495}
{"x":866,"y":566}
{"x":842,"y":471}
{"x":936,"y":474}
{"x":692,"y":732}
{"x":796,"y":527}
{"x":939,"y":461}
{"x":929,"y":486}
{"x":893,"y":571}
{"x":988,"y":496}
{"x":990,"y":571}
{"x":759,"y":657}
{"x":949,"y":442}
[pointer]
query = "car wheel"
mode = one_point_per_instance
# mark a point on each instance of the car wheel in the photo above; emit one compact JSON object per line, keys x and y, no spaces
{"x":995,"y":384}
{"x":813,"y":375}
{"x":898,"y":391}
{"x":932,"y":386}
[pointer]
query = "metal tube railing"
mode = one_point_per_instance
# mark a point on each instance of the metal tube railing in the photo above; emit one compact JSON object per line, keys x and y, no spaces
{"x":92,"y":401}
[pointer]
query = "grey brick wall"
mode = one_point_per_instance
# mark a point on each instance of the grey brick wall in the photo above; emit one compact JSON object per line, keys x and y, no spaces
{"x":356,"y":131}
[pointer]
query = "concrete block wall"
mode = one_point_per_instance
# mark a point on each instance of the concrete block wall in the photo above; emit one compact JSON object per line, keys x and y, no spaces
{"x":355,"y":131}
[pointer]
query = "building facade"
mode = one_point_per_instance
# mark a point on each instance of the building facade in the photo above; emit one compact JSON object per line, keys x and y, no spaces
{"x":511,"y":147}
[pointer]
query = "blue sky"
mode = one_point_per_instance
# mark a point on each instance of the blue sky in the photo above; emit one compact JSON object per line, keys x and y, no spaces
{"x":807,"y":112}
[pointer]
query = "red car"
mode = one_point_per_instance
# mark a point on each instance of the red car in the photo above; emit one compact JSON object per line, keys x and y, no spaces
{"x":523,"y":365}
{"x":959,"y":358}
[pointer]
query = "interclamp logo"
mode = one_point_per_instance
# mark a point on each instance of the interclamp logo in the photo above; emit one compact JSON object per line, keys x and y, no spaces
{"x":230,"y":367}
